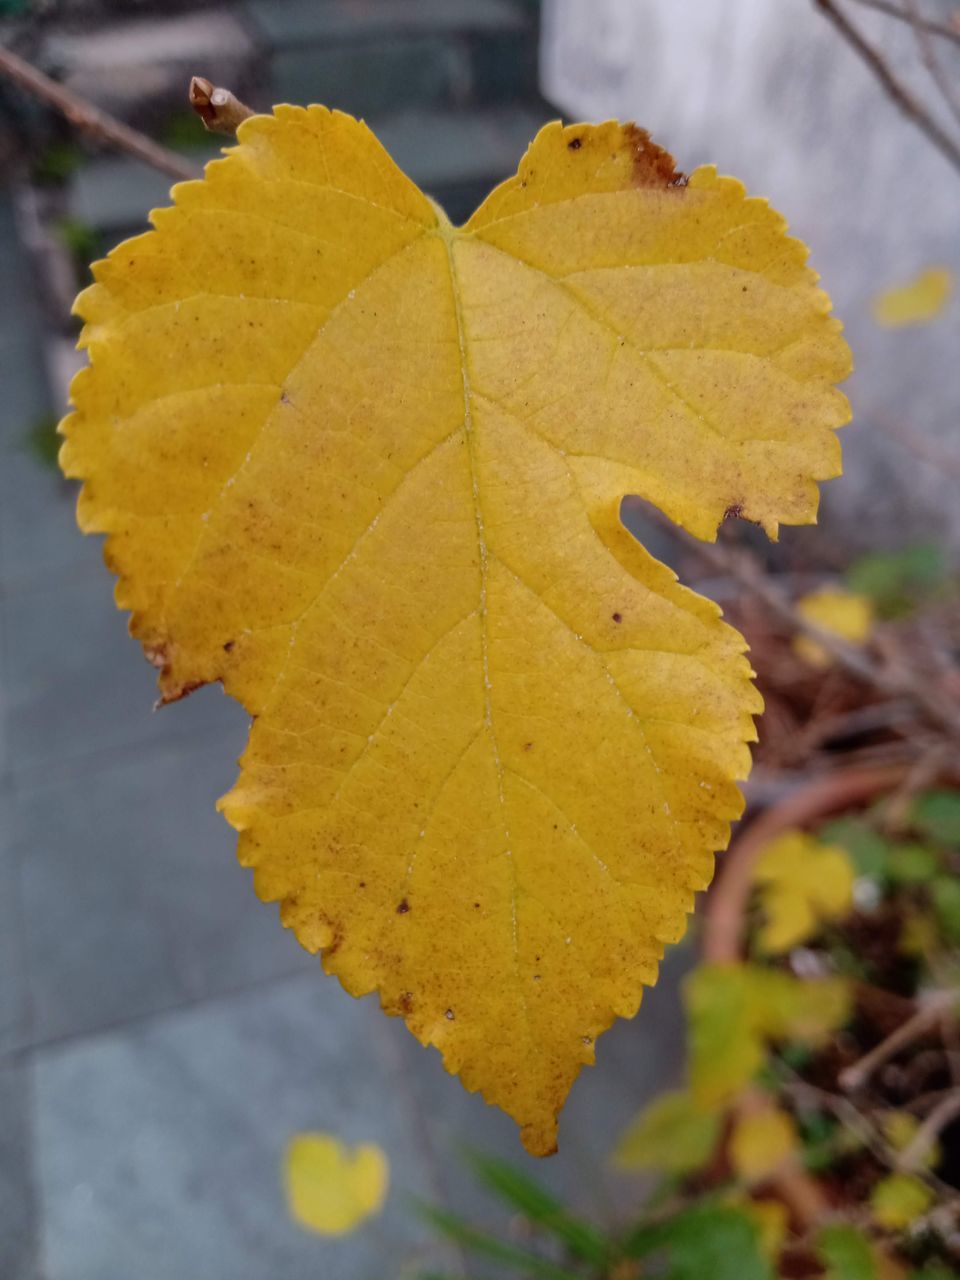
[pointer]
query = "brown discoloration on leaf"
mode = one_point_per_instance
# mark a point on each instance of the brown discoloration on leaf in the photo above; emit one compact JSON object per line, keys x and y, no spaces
{"x":156,"y":654}
{"x":652,"y":165}
{"x":169,"y":696}
{"x":734,"y":511}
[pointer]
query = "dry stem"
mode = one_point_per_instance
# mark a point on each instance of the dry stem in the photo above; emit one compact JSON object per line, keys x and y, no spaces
{"x":901,"y":682}
{"x":927,"y":24}
{"x":219,"y":109}
{"x":912,"y":1156}
{"x":931,"y":59}
{"x":894,"y":86}
{"x":91,"y":120}
{"x":927,"y":1016}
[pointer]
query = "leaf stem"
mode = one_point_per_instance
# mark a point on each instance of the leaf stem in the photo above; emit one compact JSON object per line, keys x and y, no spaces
{"x":219,"y":109}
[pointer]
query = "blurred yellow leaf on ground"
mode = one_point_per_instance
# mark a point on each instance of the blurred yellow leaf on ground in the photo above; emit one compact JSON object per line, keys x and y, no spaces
{"x":330,"y":1187}
{"x":845,"y":614}
{"x":760,"y":1142}
{"x":899,"y":1199}
{"x":916,"y":302}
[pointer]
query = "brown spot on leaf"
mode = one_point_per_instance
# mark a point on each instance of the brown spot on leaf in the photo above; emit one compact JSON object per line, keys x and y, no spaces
{"x":652,"y":165}
{"x":449,"y":1015}
{"x":734,"y":511}
{"x":228,"y":647}
{"x":403,"y":908}
{"x":617,"y":617}
{"x":574,"y":144}
{"x":405,"y":1003}
{"x":528,"y":746}
{"x":334,"y":944}
{"x":175,"y":695}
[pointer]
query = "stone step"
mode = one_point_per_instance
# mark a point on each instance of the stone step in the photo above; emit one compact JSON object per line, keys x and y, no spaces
{"x":370,"y":57}
{"x":455,"y":156}
{"x":294,"y":22}
{"x":374,"y":57}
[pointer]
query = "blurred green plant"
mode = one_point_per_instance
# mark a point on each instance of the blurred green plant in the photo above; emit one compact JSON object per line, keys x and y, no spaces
{"x":709,"y":1239}
{"x":57,"y":161}
{"x":899,"y":582}
{"x":80,"y":240}
{"x":42,"y":442}
{"x":183,"y":131}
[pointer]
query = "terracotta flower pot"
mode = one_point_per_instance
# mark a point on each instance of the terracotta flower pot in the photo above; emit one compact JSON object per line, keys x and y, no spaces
{"x":724,"y":928}
{"x":725,"y":921}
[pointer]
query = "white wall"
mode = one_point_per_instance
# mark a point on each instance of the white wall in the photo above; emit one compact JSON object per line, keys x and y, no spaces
{"x":768,"y":91}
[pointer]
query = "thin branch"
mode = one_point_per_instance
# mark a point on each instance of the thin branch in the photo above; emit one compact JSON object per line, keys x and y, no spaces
{"x":914,"y":1153}
{"x":900,"y":682}
{"x":928,"y":24}
{"x":917,"y":443}
{"x":91,"y":120}
{"x":220,"y":110}
{"x":857,"y":1074}
{"x":859,"y":1125}
{"x":894,"y":86}
{"x":931,"y":60}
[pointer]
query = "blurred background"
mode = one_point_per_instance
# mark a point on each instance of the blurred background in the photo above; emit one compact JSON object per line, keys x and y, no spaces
{"x":161,"y":1037}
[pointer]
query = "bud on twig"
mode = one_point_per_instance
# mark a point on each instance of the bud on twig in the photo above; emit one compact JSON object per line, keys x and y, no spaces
{"x":219,"y":109}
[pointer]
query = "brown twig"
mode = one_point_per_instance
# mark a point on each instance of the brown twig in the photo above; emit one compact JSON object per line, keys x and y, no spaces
{"x":915,"y":442}
{"x":901,"y":682}
{"x":91,"y":120}
{"x":931,"y":60}
{"x":912,"y":1157}
{"x":896,"y":89}
{"x":895,"y":714}
{"x":927,"y":1016}
{"x":928,"y":24}
{"x":219,"y":109}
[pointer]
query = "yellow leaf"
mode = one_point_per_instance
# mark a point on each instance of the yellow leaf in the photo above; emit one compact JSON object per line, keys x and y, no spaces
{"x":736,"y":1010}
{"x":331,"y":1189}
{"x":843,"y":613}
{"x":365,"y":468}
{"x":674,"y":1134}
{"x":919,"y":300}
{"x":898,"y":1199}
{"x":772,"y":1219}
{"x":802,"y":884}
{"x":919,"y":935}
{"x":761,"y":1141}
{"x":900,"y":1128}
